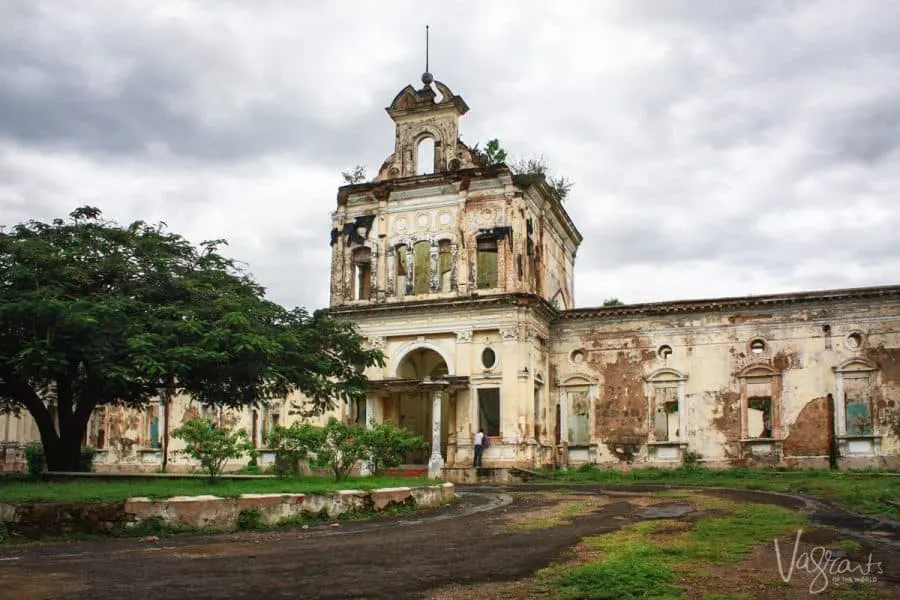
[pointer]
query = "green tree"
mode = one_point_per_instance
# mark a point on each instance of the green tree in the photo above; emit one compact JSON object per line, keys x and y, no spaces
{"x":212,"y":446}
{"x":559,"y":185}
{"x":93,"y":314}
{"x":492,"y":154}
{"x":387,"y":445}
{"x":294,"y":444}
{"x":613,"y":302}
{"x":343,"y":446}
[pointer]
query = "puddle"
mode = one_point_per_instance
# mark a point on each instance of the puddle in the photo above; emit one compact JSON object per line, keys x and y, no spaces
{"x":669,"y":511}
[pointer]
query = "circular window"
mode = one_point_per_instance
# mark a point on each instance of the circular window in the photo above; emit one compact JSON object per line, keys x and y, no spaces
{"x":854,"y":340}
{"x":758,"y":346}
{"x":577,"y":357}
{"x":488,"y":358}
{"x":664,"y":351}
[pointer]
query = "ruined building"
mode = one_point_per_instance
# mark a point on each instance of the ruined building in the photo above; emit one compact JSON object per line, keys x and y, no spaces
{"x":462,"y":272}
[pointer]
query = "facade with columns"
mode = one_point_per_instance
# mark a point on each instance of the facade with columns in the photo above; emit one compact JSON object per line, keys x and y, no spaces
{"x":462,"y":271}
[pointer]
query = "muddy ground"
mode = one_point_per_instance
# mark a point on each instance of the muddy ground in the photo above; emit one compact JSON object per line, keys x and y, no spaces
{"x":472,"y":548}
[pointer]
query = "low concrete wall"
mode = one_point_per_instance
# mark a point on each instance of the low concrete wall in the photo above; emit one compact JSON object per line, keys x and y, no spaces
{"x":34,"y":520}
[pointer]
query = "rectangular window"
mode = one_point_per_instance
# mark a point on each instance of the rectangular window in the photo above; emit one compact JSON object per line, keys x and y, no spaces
{"x":857,"y":406}
{"x":362,"y":265}
{"x":665,"y":414}
{"x":422,"y":270}
{"x":489,"y":410}
{"x":579,"y":418}
{"x":537,"y":412}
{"x":402,"y":271}
{"x":445,"y":267}
{"x":759,"y":416}
{"x":486,"y":263}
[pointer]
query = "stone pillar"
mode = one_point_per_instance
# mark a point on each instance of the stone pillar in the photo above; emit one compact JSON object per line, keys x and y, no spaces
{"x":453,"y":252}
{"x":433,"y":282}
{"x":435,"y":463}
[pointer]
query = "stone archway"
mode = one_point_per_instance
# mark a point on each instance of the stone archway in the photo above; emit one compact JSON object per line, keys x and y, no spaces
{"x":423,"y":406}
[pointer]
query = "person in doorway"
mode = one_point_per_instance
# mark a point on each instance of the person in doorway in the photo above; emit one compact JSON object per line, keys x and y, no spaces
{"x":479,"y":448}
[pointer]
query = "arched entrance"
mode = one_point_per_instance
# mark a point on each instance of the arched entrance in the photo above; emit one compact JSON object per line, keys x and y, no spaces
{"x":413,"y":405}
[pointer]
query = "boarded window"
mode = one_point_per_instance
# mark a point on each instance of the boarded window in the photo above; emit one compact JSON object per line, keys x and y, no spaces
{"x":579,"y":415}
{"x":362,"y":279}
{"x":858,"y":406}
{"x":445,"y":266}
{"x":665,"y":414}
{"x":422,"y":270}
{"x":486,"y":263}
{"x":402,"y":270}
{"x":489,"y":410}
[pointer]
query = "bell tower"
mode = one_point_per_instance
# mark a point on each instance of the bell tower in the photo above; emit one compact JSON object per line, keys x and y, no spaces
{"x":426,"y":130}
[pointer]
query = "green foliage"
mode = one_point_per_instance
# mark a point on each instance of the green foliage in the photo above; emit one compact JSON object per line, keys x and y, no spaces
{"x":357,"y":175}
{"x":492,"y":154}
{"x":212,"y":446}
{"x":387,"y":445}
{"x":249,"y":519}
{"x":344,"y":444}
{"x":647,"y":559}
{"x":559,"y":185}
{"x":613,"y":302}
{"x":86,"y":459}
{"x":35,"y":459}
{"x":293,"y":444}
{"x":94,"y":313}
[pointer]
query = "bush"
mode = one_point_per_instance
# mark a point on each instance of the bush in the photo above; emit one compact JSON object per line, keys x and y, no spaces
{"x":212,"y":446}
{"x":343,"y":445}
{"x":294,"y":444}
{"x":249,"y":519}
{"x":387,"y":446}
{"x":86,"y":459}
{"x":35,"y":459}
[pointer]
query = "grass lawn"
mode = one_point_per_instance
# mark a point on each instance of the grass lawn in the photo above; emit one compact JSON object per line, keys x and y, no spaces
{"x":92,"y":490}
{"x":671,"y":559}
{"x":858,"y":491}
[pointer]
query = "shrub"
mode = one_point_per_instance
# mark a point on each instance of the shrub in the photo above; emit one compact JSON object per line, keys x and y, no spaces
{"x":249,"y":519}
{"x":343,"y":445}
{"x":294,"y":444}
{"x":387,"y":445}
{"x":35,"y":459}
{"x":212,"y":446}
{"x":86,"y":459}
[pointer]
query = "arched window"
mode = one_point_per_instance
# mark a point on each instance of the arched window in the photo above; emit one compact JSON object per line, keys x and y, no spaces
{"x":425,"y":157}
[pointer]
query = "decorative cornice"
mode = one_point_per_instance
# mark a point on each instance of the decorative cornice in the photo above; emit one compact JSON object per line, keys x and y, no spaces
{"x":718,"y":304}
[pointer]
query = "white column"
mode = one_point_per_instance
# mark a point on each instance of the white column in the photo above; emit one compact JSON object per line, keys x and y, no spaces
{"x":681,"y":412}
{"x":435,"y":463}
{"x":840,"y":416}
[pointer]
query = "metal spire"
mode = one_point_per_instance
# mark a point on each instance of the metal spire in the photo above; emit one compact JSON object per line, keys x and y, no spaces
{"x":427,"y":77}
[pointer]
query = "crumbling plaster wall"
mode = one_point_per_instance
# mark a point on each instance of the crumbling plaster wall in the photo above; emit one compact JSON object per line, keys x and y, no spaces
{"x":712,"y":349}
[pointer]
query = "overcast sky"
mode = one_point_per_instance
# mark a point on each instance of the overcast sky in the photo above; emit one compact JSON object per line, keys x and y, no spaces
{"x":717,"y":148}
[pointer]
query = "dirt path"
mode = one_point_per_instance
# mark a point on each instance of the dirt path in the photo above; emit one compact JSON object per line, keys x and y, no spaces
{"x":389,"y":558}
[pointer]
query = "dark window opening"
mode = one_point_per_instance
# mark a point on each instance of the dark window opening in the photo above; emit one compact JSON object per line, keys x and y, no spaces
{"x":489,"y":411}
{"x":488,"y":358}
